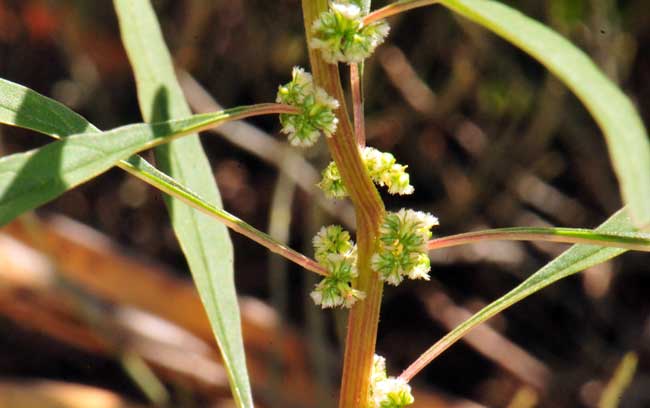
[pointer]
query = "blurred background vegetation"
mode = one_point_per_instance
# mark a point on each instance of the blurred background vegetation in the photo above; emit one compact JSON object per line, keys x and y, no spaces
{"x":96,"y":303}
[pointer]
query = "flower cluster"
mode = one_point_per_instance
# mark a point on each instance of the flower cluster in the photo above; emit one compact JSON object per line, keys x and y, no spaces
{"x":382,"y":168}
{"x":342,"y":37}
{"x":317,"y":109}
{"x":338,"y":254}
{"x":402,"y":246}
{"x":387,"y":392}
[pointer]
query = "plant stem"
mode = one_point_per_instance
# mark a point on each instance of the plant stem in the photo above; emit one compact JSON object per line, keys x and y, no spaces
{"x":357,"y":103}
{"x":396,"y":8}
{"x":633,"y":241}
{"x":369,"y":210}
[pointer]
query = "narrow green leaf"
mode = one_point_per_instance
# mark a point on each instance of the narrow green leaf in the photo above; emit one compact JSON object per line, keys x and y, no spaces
{"x":32,"y":178}
{"x":626,"y":136}
{"x":575,"y":259}
{"x":206,"y":245}
{"x":638,"y":241}
{"x":23,"y":107}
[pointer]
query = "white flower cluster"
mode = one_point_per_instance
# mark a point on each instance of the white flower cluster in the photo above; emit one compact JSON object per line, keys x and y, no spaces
{"x":317,"y":110}
{"x":385,"y":171}
{"x":382,"y":168}
{"x":338,"y":254}
{"x":341,"y":36}
{"x":402,"y":246}
{"x":387,"y":392}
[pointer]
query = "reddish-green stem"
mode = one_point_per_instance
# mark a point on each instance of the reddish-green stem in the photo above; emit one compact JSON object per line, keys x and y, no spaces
{"x":560,"y":235}
{"x":396,"y":8}
{"x":369,"y":210}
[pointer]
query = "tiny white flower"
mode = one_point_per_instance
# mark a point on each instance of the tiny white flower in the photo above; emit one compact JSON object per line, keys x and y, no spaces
{"x":324,"y":99}
{"x":392,"y":393}
{"x":349,"y":11}
{"x":378,"y":369}
{"x":426,"y":220}
{"x":421,"y":268}
{"x":331,"y":182}
{"x":317,"y":296}
{"x":332,"y":240}
{"x":351,"y":297}
{"x":387,"y":392}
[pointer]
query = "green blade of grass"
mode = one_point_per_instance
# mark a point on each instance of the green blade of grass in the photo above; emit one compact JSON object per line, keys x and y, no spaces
{"x":626,"y":137}
{"x":574,"y":260}
{"x":206,"y":245}
{"x":32,"y":178}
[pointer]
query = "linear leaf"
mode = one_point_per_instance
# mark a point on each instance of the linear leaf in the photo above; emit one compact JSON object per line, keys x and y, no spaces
{"x":638,"y":241}
{"x":626,"y":137}
{"x":21,"y":106}
{"x":206,"y":245}
{"x":573,"y":260}
{"x":32,"y":178}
